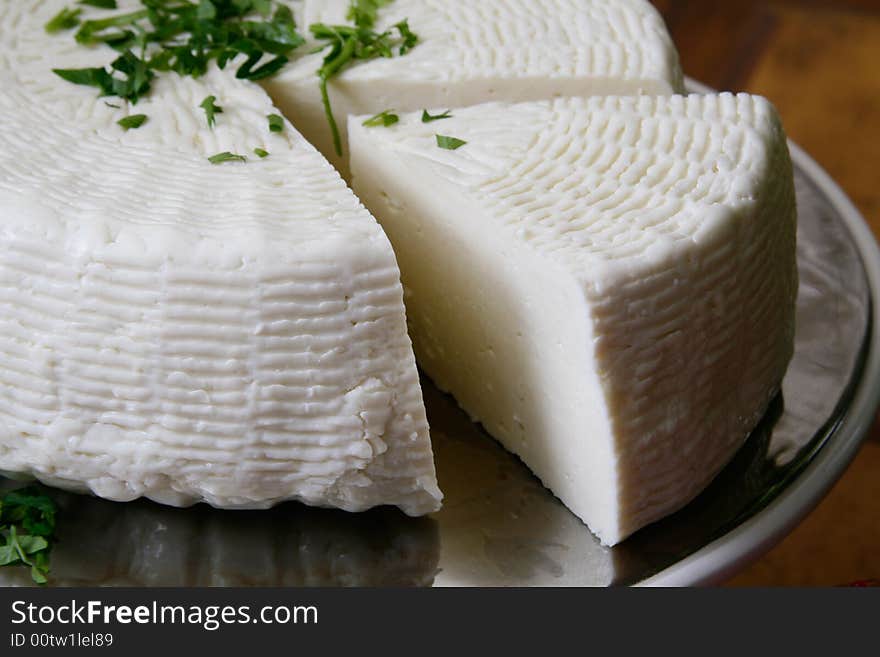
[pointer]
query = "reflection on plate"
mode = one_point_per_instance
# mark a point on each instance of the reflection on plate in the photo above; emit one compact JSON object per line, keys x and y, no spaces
{"x":499,"y":526}
{"x":103,"y":543}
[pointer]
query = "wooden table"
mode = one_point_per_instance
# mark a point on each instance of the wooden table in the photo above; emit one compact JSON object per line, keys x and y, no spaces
{"x":819,"y":63}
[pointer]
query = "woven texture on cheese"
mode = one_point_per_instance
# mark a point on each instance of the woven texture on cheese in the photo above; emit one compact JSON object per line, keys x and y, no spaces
{"x":462,"y":40}
{"x":186,"y":331}
{"x":594,"y":181}
{"x":676,"y":218}
{"x":709,"y":337}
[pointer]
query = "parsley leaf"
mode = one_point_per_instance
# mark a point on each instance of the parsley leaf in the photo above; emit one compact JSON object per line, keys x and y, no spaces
{"x":206,"y":10}
{"x":137,"y":77}
{"x":95,"y":77}
{"x":449,"y":143}
{"x":226,"y":156}
{"x":409,"y":38}
{"x":132,"y":122}
{"x":134,"y":83}
{"x":276,"y":123}
{"x":259,"y":152}
{"x":184,"y":37}
{"x":211,"y":109}
{"x":262,"y":7}
{"x":94,"y":31}
{"x":64,"y":20}
{"x":383,"y":119}
{"x":27,"y":529}
{"x":427,"y":118}
{"x":346,"y":44}
{"x":363,"y":13}
{"x":100,"y":4}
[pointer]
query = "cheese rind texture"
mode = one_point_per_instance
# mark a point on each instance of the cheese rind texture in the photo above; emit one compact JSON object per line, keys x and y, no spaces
{"x":185,"y":331}
{"x":607,"y":284}
{"x":475,"y":52}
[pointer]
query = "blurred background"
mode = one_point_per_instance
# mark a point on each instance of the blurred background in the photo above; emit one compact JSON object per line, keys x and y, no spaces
{"x":818,"y":61}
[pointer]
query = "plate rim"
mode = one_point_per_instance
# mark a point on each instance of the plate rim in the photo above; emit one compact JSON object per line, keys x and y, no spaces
{"x":745,"y":543}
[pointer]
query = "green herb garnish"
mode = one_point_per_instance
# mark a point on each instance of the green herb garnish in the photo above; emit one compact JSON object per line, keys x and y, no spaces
{"x":132,"y":122}
{"x":134,"y":81}
{"x":226,"y":156}
{"x":27,"y":530}
{"x":211,"y":109}
{"x":259,"y":152}
{"x":276,"y":123}
{"x":185,"y":37}
{"x":449,"y":143}
{"x":348,"y":44}
{"x":427,"y":118}
{"x":409,"y":38}
{"x":364,"y":13}
{"x":65,"y":19}
{"x":100,"y":4}
{"x":99,"y":31}
{"x":172,"y":35}
{"x":383,"y":119}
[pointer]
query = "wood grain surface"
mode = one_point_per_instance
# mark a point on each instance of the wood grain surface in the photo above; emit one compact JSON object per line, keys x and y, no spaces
{"x":819,"y":63}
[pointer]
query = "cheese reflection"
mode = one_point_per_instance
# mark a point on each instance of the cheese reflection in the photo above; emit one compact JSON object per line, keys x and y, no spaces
{"x":103,"y":543}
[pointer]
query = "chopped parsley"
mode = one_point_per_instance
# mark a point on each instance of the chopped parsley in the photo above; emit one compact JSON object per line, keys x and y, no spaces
{"x":383,"y":119}
{"x":348,"y":44}
{"x":100,"y":4}
{"x":427,"y":118}
{"x":134,"y":80}
{"x":226,"y":156}
{"x":363,"y":13}
{"x":27,"y":530}
{"x":259,"y":152}
{"x":211,"y":109}
{"x":184,"y":37}
{"x":409,"y":39}
{"x":66,"y":19}
{"x":99,"y":31}
{"x":132,"y":122}
{"x":449,"y":143}
{"x":276,"y":123}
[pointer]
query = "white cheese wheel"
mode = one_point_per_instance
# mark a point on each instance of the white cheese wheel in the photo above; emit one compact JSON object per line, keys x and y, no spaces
{"x":185,"y":331}
{"x":607,"y":284}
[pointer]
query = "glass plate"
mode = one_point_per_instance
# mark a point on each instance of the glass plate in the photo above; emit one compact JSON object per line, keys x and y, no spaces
{"x":499,"y":526}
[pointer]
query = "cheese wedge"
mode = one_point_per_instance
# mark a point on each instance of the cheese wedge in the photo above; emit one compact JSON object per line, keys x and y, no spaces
{"x":607,"y":284}
{"x":474,"y":52}
{"x":186,"y":331}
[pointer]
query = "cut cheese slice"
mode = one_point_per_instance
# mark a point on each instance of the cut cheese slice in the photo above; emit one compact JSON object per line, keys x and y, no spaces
{"x":473,"y":52}
{"x":185,"y":331}
{"x":607,"y":284}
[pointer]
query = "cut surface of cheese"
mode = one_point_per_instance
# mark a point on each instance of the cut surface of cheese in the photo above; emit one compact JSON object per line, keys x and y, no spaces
{"x":474,"y":52}
{"x":607,"y":284}
{"x":185,"y":331}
